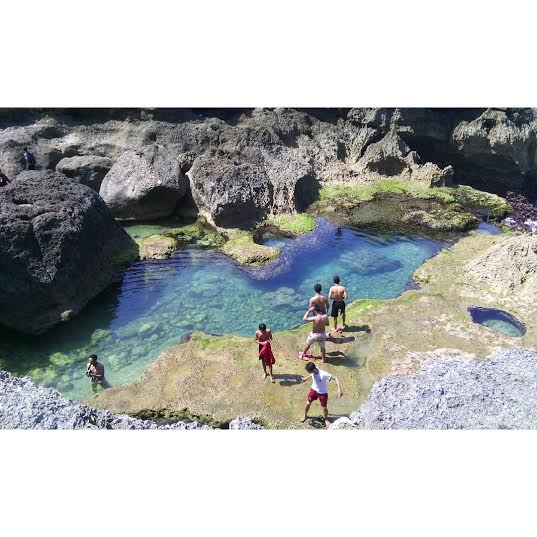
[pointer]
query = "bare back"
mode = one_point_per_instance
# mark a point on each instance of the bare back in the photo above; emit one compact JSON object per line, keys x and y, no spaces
{"x":338,"y":293}
{"x":321,"y":301}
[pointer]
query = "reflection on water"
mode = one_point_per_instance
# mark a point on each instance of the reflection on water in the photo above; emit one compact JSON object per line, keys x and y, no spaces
{"x":158,"y":302}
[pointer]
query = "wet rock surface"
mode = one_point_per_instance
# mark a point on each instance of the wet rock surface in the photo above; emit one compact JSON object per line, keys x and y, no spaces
{"x":23,"y":405}
{"x":496,"y":393}
{"x":59,"y":247}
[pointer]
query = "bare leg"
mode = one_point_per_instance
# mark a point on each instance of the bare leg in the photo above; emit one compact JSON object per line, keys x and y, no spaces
{"x":270,"y":371}
{"x":264,"y":370}
{"x":335,"y":323}
{"x":308,"y":404}
{"x":343,"y":317}
{"x":306,"y":348}
{"x":325,"y":414}
{"x":323,"y":354}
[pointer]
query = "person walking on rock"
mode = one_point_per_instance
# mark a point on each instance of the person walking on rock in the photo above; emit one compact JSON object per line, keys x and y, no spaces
{"x":29,"y":159}
{"x":338,"y":294}
{"x":95,"y":371}
{"x":317,"y":334}
{"x":4,"y":180}
{"x":319,"y":390}
{"x":263,"y":338}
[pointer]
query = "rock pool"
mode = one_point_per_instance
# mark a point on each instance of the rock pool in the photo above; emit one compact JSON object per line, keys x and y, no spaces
{"x":158,"y":302}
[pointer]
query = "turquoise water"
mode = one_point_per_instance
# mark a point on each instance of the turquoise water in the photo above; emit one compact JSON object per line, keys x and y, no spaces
{"x":488,"y":229}
{"x":158,"y":302}
{"x":498,"y":320}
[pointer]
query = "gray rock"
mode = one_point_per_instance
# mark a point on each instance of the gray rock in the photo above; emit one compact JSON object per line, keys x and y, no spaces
{"x":499,"y":392}
{"x":59,"y":247}
{"x":23,"y":405}
{"x":244,"y":423}
{"x":144,"y":185}
{"x":88,"y":170}
{"x":343,"y":423}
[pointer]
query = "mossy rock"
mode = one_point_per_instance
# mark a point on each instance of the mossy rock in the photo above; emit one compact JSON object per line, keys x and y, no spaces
{"x":241,"y":247}
{"x":293,"y":223}
{"x":157,"y":247}
{"x":59,"y":359}
{"x":482,"y":202}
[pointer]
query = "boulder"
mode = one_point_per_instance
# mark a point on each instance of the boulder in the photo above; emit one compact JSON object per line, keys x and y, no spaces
{"x":88,"y":170}
{"x":231,"y":189}
{"x":59,"y":247}
{"x":144,"y":185}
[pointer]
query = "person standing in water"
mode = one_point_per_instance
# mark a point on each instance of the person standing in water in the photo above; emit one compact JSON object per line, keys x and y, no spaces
{"x":338,"y":294}
{"x":263,"y":338}
{"x":319,"y":390}
{"x":95,"y":371}
{"x":317,"y":334}
{"x":319,"y":300}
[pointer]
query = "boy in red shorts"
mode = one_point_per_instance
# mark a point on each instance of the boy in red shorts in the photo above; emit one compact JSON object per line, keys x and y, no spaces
{"x":319,"y":389}
{"x":263,"y":338}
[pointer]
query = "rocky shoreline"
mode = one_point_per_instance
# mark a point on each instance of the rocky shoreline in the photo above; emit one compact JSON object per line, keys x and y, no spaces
{"x":496,"y":393}
{"x":23,"y":405}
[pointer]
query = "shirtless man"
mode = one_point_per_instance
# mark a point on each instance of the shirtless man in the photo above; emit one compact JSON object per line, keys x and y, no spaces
{"x":317,"y":333}
{"x":319,"y":300}
{"x":261,"y":336}
{"x":338,"y":294}
{"x":95,"y":371}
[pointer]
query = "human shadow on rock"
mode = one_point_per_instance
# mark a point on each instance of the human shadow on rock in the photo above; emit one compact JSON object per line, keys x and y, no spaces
{"x":287,"y":379}
{"x":364,"y":328}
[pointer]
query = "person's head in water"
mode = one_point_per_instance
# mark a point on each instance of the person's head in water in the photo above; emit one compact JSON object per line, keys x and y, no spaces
{"x":92,"y":358}
{"x":336,"y":279}
{"x":317,"y":287}
{"x":311,"y":368}
{"x":262,"y":327}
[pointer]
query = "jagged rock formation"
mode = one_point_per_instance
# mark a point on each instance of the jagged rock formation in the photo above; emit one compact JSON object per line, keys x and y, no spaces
{"x":496,"y":393}
{"x":23,"y":405}
{"x":268,"y":161}
{"x":59,"y":247}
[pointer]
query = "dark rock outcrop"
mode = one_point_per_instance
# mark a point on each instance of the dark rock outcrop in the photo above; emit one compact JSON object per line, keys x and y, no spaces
{"x":88,"y":170}
{"x":59,"y":247}
{"x":144,"y":186}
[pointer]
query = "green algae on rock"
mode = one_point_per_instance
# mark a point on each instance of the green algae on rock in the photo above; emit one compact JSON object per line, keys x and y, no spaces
{"x":293,"y":223}
{"x":412,"y":206}
{"x":157,"y":247}
{"x":241,"y":247}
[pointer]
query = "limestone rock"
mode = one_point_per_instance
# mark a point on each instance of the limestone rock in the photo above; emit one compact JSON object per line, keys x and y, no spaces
{"x":157,"y":247}
{"x":507,"y":269}
{"x":496,"y":393}
{"x":89,"y":170}
{"x":144,"y":186}
{"x":59,"y":246}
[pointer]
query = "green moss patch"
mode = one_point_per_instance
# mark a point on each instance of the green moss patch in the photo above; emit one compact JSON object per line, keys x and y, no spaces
{"x":294,"y":223}
{"x":241,"y":247}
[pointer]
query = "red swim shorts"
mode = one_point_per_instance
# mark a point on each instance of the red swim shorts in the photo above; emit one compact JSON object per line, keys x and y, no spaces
{"x":323,"y":397}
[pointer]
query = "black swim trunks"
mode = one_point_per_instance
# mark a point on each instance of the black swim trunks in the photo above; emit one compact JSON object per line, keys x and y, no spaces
{"x":338,"y":307}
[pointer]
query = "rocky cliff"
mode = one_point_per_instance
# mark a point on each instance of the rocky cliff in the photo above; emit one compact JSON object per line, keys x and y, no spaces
{"x":242,"y":165}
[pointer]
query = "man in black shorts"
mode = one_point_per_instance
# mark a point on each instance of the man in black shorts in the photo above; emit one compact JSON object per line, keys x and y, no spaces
{"x":338,"y":294}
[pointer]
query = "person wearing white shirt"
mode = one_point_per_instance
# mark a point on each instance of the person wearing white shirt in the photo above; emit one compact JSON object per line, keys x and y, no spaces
{"x":319,"y":389}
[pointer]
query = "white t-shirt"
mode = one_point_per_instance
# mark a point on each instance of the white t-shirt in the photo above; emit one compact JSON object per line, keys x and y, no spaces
{"x":320,"y":381}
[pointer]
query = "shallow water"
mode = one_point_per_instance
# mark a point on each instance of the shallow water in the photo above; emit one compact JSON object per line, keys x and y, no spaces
{"x":488,"y":229}
{"x":498,"y":320}
{"x":158,"y":302}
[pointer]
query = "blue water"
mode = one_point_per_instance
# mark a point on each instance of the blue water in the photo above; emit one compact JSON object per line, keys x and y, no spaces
{"x":488,"y":229}
{"x":498,"y":320}
{"x":158,"y":302}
